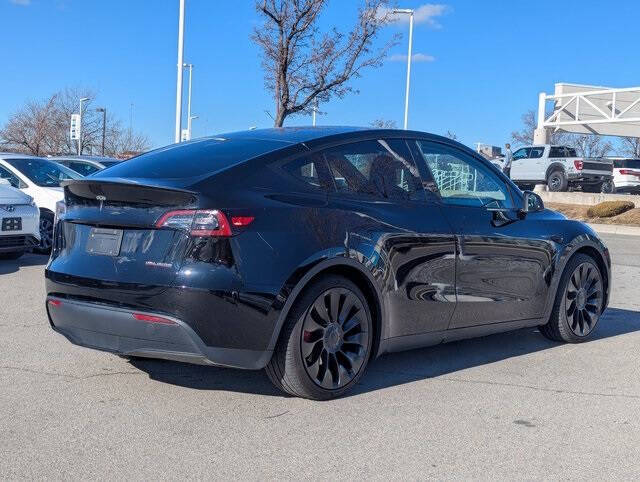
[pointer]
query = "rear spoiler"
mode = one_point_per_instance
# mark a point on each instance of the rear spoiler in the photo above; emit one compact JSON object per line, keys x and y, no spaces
{"x":127,"y":191}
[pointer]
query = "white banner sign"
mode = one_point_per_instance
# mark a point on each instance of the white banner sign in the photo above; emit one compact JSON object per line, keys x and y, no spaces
{"x":74,"y":130}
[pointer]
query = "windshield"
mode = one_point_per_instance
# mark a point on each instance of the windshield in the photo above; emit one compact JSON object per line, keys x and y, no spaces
{"x":42,"y":172}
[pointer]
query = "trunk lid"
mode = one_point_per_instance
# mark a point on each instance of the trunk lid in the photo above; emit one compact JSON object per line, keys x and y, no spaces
{"x":108,"y":232}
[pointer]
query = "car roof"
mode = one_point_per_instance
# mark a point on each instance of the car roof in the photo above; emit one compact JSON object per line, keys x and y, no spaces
{"x":83,"y":158}
{"x":13,"y":155}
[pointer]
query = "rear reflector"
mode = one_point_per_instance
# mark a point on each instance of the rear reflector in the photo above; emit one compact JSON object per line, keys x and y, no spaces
{"x":153,"y":319}
{"x":241,"y":220}
{"x":55,"y":302}
{"x":579,"y":164}
{"x":198,"y":222}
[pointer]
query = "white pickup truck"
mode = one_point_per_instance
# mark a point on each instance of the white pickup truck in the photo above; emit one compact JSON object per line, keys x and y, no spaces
{"x":558,"y":167}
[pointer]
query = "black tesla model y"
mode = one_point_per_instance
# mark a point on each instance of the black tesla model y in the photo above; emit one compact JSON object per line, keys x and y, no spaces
{"x":311,"y":251}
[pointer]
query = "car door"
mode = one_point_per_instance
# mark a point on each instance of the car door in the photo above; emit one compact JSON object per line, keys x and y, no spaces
{"x":380,"y":202}
{"x":503,"y":262}
{"x":519,"y":166}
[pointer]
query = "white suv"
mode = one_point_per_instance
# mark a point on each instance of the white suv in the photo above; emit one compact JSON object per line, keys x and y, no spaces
{"x":40,"y":179}
{"x":19,"y":222}
{"x":626,"y":176}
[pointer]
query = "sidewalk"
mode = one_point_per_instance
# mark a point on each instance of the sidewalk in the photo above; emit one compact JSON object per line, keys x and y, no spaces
{"x":615,"y":229}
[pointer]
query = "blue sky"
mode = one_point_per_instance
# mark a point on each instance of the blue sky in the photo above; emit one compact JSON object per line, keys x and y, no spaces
{"x":483,"y":62}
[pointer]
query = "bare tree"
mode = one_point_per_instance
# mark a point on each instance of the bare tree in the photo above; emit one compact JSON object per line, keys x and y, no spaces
{"x":383,"y":124}
{"x":42,"y":127}
{"x":302,"y":65}
{"x":451,"y":135}
{"x":630,"y":146}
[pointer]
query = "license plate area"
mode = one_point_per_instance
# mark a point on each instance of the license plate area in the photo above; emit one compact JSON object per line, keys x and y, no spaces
{"x":105,"y":242}
{"x":11,"y":224}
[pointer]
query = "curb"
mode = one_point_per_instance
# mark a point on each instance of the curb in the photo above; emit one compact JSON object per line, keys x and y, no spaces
{"x":615,"y":229}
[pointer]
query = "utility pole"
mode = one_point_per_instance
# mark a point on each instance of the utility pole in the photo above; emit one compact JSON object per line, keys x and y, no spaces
{"x":84,"y":99}
{"x":179,"y":81}
{"x":104,"y":124}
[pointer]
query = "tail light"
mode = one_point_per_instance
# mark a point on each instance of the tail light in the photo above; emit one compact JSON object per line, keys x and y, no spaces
{"x":629,"y":172}
{"x":579,"y":164}
{"x":201,"y":222}
{"x":197,"y":222}
{"x":153,"y":319}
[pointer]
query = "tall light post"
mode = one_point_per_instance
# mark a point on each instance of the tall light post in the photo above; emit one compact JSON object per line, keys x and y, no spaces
{"x":190,"y":67}
{"x":179,"y":81}
{"x":104,"y":124}
{"x":83,"y":100}
{"x":407,"y":11}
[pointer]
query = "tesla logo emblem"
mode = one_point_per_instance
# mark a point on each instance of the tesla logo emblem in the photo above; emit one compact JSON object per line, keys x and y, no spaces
{"x":9,"y":208}
{"x":102,"y":199}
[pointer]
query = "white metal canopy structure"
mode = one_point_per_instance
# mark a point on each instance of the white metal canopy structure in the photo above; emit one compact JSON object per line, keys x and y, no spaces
{"x":589,"y":109}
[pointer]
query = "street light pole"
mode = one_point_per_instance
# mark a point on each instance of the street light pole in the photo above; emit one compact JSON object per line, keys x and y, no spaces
{"x":84,"y":99}
{"x":179,"y":81}
{"x":409,"y":12}
{"x":104,"y":124}
{"x":190,"y":67}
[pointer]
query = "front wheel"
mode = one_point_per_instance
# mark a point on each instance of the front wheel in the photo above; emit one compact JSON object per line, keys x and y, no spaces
{"x":578,"y":304}
{"x":46,"y":233}
{"x":325,"y":342}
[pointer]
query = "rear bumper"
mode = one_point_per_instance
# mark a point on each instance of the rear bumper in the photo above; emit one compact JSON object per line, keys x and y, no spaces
{"x":116,"y":330}
{"x":589,"y":177}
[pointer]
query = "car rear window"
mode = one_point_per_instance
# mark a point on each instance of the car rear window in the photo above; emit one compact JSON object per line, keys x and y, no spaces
{"x":192,"y":159}
{"x":626,"y":163}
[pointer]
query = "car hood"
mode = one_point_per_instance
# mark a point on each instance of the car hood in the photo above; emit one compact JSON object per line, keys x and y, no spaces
{"x":11,"y":195}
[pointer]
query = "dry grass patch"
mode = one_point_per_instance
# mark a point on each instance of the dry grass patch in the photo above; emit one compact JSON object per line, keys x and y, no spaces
{"x":581,"y":213}
{"x":609,"y":209}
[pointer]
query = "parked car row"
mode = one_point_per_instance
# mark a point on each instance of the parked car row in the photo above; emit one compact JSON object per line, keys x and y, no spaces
{"x":39,"y":180}
{"x":559,"y":167}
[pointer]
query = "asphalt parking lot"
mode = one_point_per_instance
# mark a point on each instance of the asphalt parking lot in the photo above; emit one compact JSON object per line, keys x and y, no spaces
{"x":506,"y":406}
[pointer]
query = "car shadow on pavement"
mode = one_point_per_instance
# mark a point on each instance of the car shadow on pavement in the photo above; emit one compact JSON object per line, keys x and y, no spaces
{"x":8,"y":266}
{"x":392,"y":369}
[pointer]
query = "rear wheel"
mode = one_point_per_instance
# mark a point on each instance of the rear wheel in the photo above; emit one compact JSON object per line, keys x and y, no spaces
{"x":578,"y":303}
{"x":46,"y":233}
{"x":557,"y":181}
{"x":608,"y":187}
{"x":325,"y":342}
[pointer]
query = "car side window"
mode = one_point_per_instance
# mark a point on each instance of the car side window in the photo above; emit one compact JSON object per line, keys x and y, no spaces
{"x":536,"y":152}
{"x":311,"y":172}
{"x":376,"y":169}
{"x":521,"y":153}
{"x":462,"y":179}
{"x":12,"y":178}
{"x":556,"y":152}
{"x":83,"y":168}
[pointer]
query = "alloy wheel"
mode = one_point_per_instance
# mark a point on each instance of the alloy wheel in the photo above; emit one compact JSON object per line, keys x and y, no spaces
{"x":335,"y":338}
{"x":583,"y":299}
{"x":46,"y":233}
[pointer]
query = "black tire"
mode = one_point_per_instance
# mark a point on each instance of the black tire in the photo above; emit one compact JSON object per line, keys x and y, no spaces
{"x":576,"y":325}
{"x":12,"y":255}
{"x":46,"y":233}
{"x":592,"y":187}
{"x":331,"y":322}
{"x":557,"y":181}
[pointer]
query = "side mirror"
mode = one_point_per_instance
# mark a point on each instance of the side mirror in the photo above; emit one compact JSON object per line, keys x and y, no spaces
{"x":531,"y":202}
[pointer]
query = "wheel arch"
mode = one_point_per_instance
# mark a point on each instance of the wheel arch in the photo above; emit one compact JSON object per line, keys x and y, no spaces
{"x":556,"y":166}
{"x":350,"y":269}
